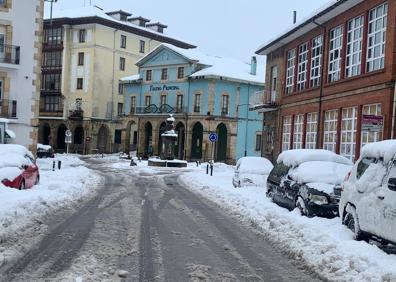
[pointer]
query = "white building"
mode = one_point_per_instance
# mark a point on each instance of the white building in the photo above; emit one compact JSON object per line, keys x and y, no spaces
{"x":20,"y":62}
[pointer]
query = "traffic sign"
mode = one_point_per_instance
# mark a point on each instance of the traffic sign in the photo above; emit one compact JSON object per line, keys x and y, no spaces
{"x":213,"y":137}
{"x":68,"y":133}
{"x":68,"y":136}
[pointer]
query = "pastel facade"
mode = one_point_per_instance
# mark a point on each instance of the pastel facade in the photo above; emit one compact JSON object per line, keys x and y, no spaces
{"x":20,"y":59}
{"x":205,"y":94}
{"x":86,"y":51}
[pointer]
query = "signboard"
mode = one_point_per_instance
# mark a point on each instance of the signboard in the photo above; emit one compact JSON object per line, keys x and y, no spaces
{"x":213,"y":137}
{"x":372,"y":123}
{"x":88,"y":139}
{"x":163,"y":88}
{"x":68,"y":136}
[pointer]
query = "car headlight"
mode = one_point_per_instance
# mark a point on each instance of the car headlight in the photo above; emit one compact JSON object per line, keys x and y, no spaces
{"x":319,"y":200}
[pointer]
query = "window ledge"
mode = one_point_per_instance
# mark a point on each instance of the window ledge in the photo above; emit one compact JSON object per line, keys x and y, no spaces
{"x":348,"y":79}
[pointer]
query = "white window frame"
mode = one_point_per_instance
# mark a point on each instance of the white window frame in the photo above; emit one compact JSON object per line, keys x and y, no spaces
{"x":225,"y":104}
{"x":286,"y":133}
{"x":335,"y":53}
{"x":298,"y":131}
{"x":311,"y":131}
{"x":370,"y":137}
{"x":316,"y":60}
{"x":290,"y":69}
{"x":353,"y":62}
{"x":348,"y":132}
{"x":376,"y":38}
{"x":330,"y":130}
{"x":302,"y":74}
{"x":163,"y":99}
{"x":147,"y":100}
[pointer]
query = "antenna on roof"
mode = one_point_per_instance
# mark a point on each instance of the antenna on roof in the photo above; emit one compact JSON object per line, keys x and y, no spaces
{"x":98,"y":7}
{"x":52,"y":3}
{"x":294,"y":17}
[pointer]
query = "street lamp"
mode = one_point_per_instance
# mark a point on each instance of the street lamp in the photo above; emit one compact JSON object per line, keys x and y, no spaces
{"x":52,"y":3}
{"x":247,"y":122}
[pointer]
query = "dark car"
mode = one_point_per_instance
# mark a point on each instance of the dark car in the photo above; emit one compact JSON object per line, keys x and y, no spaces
{"x":45,"y":151}
{"x":309,"y":180}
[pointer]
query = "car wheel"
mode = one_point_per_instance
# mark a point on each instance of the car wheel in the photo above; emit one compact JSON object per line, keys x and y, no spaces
{"x":302,"y":207}
{"x":351,"y":221}
{"x":22,"y":185}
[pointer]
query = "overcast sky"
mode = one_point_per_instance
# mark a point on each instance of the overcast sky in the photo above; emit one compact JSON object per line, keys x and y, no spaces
{"x":229,"y":28}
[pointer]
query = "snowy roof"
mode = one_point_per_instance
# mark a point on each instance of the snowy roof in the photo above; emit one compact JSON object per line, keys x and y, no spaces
{"x":132,"y":78}
{"x":320,"y":16}
{"x":384,"y":149}
{"x":296,"y":157}
{"x":92,"y":12}
{"x":215,"y":66}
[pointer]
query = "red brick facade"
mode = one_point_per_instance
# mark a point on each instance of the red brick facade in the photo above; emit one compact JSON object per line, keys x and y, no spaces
{"x":349,"y":95}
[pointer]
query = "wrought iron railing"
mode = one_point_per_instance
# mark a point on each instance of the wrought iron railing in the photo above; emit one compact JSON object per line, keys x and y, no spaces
{"x":10,"y":54}
{"x":161,"y":109}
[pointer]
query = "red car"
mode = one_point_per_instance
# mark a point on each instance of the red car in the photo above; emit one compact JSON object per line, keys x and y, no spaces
{"x":18,"y":168}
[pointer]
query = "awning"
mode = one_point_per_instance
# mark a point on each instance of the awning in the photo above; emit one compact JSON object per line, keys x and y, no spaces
{"x":10,"y":134}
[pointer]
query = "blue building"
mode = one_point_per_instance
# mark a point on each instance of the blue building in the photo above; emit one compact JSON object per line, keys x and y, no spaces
{"x":204,"y":93}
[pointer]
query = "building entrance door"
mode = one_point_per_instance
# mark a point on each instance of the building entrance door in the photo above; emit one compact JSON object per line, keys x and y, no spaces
{"x":221,"y":144}
{"x":196,"y":142}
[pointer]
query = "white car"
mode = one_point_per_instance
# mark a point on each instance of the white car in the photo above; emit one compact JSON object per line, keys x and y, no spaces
{"x":368,"y":200}
{"x":251,"y":171}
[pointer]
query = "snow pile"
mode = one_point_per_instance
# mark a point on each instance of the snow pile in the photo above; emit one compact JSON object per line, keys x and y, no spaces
{"x":326,"y":246}
{"x":294,"y":158}
{"x":43,"y":147}
{"x":384,"y":149}
{"x":254,"y":165}
{"x":57,"y":189}
{"x":12,"y":160}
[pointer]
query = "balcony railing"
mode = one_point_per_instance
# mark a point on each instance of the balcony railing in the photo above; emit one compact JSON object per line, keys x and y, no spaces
{"x":77,"y":114}
{"x":263,"y":101}
{"x":8,"y":108}
{"x":10,"y":54}
{"x":197,"y":109}
{"x":160,"y":109}
{"x":224,"y":111}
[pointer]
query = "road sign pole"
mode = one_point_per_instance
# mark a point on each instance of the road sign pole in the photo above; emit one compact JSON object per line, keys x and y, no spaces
{"x":212,"y":152}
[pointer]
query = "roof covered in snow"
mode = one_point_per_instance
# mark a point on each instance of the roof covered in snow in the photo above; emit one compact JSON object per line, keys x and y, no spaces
{"x":92,"y":14}
{"x":214,"y":66}
{"x":132,"y":78}
{"x":320,"y":16}
{"x":384,"y":149}
{"x":294,"y":158}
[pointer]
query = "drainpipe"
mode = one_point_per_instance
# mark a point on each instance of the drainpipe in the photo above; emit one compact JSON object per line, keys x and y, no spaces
{"x":393,"y":113}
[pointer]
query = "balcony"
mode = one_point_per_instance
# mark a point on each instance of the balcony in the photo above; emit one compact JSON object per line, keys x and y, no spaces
{"x":10,"y":54}
{"x":51,"y":106}
{"x":263,"y":101}
{"x":158,"y":110}
{"x":8,"y":109}
{"x":77,"y":114}
{"x":224,"y":112}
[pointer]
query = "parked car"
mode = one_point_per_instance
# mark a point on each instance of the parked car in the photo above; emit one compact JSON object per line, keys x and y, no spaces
{"x":18,"y":167}
{"x":251,"y":171}
{"x":45,"y":151}
{"x":368,"y":200}
{"x":309,"y":180}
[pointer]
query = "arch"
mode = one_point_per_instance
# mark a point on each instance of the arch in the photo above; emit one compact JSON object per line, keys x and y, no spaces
{"x":103,"y":137}
{"x":45,"y":134}
{"x":60,"y":138}
{"x":181,"y":136}
{"x":196,"y":141}
{"x":148,"y":139}
{"x":78,"y":138}
{"x":161,"y":130}
{"x":131,"y":139}
{"x":221,"y":144}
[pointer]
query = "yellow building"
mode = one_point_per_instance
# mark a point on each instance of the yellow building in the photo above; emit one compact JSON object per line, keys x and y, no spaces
{"x":85,"y":53}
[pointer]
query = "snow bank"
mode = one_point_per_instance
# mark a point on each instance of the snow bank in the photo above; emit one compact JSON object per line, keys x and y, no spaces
{"x":254,"y":165}
{"x":384,"y":149}
{"x":296,"y":157}
{"x":326,"y":246}
{"x":43,"y":147}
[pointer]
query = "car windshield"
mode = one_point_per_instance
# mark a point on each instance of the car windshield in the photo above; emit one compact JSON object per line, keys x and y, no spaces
{"x":320,"y":172}
{"x":280,"y":170}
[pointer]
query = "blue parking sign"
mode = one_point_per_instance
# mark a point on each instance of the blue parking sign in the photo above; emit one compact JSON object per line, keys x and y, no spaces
{"x":213,"y":137}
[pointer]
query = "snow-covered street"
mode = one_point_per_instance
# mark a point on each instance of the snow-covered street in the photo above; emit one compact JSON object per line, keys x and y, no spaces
{"x":324,"y":245}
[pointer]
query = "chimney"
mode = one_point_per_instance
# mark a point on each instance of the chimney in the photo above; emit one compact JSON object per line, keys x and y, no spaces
{"x":253,"y":66}
{"x":140,"y":21}
{"x":119,"y":15}
{"x":158,"y":27}
{"x":294,"y":17}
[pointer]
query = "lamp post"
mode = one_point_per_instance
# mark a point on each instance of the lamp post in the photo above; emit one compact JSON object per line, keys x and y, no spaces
{"x":247,"y":122}
{"x":52,"y":3}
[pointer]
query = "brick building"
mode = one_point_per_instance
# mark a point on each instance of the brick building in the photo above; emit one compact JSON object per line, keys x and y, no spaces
{"x":334,"y":107}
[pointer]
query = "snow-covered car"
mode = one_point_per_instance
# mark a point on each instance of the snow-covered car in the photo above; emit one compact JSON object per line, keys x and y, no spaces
{"x":368,"y":200}
{"x":18,"y":168}
{"x":309,"y":180}
{"x":45,"y":151}
{"x":251,"y":171}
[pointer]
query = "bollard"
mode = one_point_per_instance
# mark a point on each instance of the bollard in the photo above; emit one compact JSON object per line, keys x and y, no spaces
{"x":197,"y":163}
{"x":102,"y":155}
{"x":211,"y":170}
{"x":207,"y":169}
{"x":140,"y":159}
{"x":53,"y":166}
{"x":59,"y":165}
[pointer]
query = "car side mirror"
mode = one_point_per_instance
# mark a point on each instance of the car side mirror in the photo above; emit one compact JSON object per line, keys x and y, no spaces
{"x":392,"y":184}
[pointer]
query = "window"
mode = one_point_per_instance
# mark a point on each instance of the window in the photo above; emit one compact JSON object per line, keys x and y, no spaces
{"x":354,"y":47}
{"x":149,"y":75}
{"x":179,"y":102}
{"x":274,"y":79}
{"x":197,"y":103}
{"x":330,"y":130}
{"x":51,"y":103}
{"x":376,"y":37}
{"x":80,"y":83}
{"x":291,"y":62}
{"x":163,"y":99}
{"x":224,"y":104}
{"x":133,"y":104}
{"x":117,"y":136}
{"x":348,"y":133}
{"x":164,"y":74}
{"x":302,"y":66}
{"x":1,"y":89}
{"x":51,"y":59}
{"x":51,"y":82}
{"x":311,"y":131}
{"x":142,"y":48}
{"x":316,"y":61}
{"x":82,"y":33}
{"x":147,"y":100}
{"x":363,"y":166}
{"x":286,"y":133}
{"x":258,"y":142}
{"x":53,"y":36}
{"x":122,"y":64}
{"x":298,"y":132}
{"x":180,"y":72}
{"x":120,"y":88}
{"x":120,"y":109}
{"x":370,"y":136}
{"x":335,"y":54}
{"x":81,"y":59}
{"x":123,"y":41}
